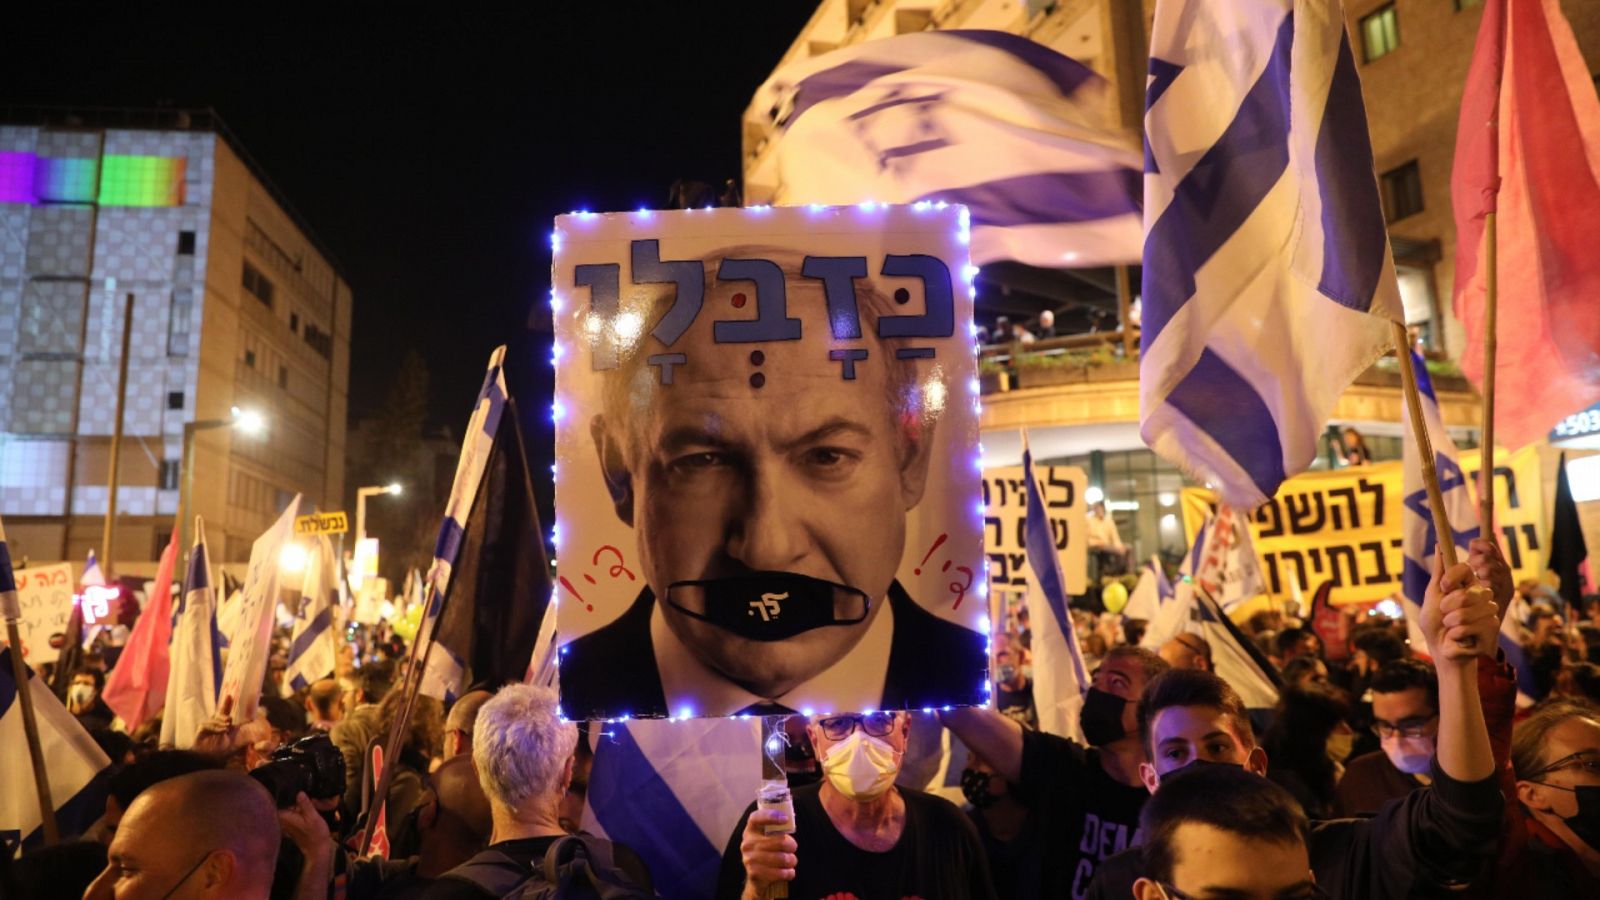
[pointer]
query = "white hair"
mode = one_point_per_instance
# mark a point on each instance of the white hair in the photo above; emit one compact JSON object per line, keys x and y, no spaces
{"x":521,"y":745}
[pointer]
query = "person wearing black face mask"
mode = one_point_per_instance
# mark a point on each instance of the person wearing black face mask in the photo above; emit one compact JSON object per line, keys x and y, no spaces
{"x":1553,"y":847}
{"x":1086,"y":799}
{"x":1009,"y":833}
{"x":1431,"y":842}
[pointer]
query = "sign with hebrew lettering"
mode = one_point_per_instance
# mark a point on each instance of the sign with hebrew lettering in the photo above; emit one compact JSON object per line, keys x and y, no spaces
{"x":1344,"y":526}
{"x":1005,"y":503}
{"x":767,"y":487}
{"x":44,"y":594}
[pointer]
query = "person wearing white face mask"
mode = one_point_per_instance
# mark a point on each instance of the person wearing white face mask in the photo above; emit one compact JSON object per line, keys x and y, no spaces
{"x":856,"y":833}
{"x":1405,"y":716}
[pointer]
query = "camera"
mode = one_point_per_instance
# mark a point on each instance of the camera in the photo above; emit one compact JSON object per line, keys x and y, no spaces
{"x":312,"y":765}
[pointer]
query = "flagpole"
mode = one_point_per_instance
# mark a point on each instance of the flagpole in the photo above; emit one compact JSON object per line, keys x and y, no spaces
{"x":1419,"y":429}
{"x":30,"y":725}
{"x":1490,"y":349}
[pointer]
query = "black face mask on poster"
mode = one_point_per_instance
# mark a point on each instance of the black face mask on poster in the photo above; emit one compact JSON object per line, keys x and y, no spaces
{"x":975,"y":787}
{"x":1101,"y":718}
{"x":768,"y":606}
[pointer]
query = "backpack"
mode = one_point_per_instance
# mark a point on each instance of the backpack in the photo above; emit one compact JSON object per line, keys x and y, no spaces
{"x":576,"y":866}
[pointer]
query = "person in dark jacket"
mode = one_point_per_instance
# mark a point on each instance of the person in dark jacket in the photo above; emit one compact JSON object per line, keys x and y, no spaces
{"x":1434,"y":839}
{"x":1308,"y":743}
{"x":1553,"y":842}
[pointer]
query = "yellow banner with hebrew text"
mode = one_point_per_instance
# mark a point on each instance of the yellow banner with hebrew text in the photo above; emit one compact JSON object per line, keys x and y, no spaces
{"x":1345,"y":526}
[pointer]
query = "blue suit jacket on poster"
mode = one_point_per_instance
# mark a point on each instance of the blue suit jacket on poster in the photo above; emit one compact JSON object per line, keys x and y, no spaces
{"x":613,"y":670}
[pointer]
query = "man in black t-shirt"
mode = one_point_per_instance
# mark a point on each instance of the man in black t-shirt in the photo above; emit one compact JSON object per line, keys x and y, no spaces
{"x":1013,"y":690}
{"x":856,"y":833}
{"x":1087,"y":798}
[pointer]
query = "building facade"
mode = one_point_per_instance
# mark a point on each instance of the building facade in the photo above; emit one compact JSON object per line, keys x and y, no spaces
{"x":1412,"y":56}
{"x":234,"y":306}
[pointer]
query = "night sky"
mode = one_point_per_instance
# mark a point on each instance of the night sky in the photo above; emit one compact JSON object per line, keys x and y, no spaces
{"x":430,"y":153}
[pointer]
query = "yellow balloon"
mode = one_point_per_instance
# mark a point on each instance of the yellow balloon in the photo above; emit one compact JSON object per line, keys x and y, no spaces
{"x":1114,"y":596}
{"x":406,"y":626}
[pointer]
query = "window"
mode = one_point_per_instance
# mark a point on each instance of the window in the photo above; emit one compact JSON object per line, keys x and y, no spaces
{"x":175,"y":400}
{"x":1380,"y":33}
{"x":294,"y":323}
{"x":185,"y":243}
{"x":1402,"y":192}
{"x":257,"y":284}
{"x":283,"y":377}
{"x":250,"y":358}
{"x":320,"y":341}
{"x":178,"y":322}
{"x":169,"y":474}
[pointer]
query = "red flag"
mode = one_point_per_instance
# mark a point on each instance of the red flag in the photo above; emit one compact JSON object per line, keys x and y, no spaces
{"x":1530,"y":129}
{"x":137,"y":686}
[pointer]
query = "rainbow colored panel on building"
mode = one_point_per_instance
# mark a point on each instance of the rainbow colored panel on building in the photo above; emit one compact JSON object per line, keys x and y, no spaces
{"x":16,"y":177}
{"x":64,"y":179}
{"x":124,"y":180}
{"x":142,"y":181}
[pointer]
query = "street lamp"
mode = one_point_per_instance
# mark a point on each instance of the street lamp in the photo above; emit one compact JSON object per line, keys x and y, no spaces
{"x":247,"y":421}
{"x":361,"y":504}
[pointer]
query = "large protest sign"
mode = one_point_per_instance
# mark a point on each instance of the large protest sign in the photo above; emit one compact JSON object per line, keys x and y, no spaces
{"x":767,"y":482}
{"x":1005,"y":504}
{"x":44,"y":593}
{"x":251,"y":641}
{"x":1344,"y":526}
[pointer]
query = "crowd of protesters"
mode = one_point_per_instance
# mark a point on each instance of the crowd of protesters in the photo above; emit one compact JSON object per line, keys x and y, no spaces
{"x":1469,"y":765}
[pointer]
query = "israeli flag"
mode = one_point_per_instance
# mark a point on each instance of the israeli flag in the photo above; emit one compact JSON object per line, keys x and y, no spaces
{"x":445,"y":668}
{"x":311,"y":645}
{"x":1268,"y":278}
{"x":1153,"y":590}
{"x":1060,"y":679}
{"x":1419,"y":537}
{"x":73,"y":761}
{"x":674,"y":791}
{"x":1018,"y":133}
{"x":195,"y":654}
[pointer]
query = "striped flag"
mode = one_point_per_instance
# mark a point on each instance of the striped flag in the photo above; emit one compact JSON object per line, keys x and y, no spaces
{"x":1019,"y":133}
{"x":137,"y":685}
{"x":489,"y":584}
{"x":1152,"y":592}
{"x":252,"y":642}
{"x":674,"y":791}
{"x":1268,"y":279}
{"x":1418,"y":535}
{"x":72,"y":759}
{"x":311,"y":645}
{"x":1234,"y":656}
{"x":1060,"y":679}
{"x":195,"y":673}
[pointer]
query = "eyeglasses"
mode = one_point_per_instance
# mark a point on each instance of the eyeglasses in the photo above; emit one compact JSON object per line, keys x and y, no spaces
{"x":1588,"y":760}
{"x":837,"y":728}
{"x":1301,"y":892}
{"x":1415,"y":726}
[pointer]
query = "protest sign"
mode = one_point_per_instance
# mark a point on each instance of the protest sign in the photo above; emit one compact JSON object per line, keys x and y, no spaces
{"x":1005,"y":503}
{"x":1344,"y":526}
{"x":251,"y":641}
{"x":766,"y":445}
{"x":44,"y":593}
